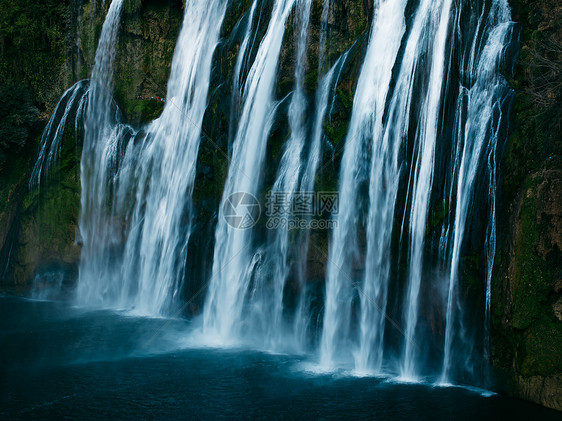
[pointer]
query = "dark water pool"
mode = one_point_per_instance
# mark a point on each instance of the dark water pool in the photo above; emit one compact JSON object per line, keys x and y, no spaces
{"x":60,"y":362}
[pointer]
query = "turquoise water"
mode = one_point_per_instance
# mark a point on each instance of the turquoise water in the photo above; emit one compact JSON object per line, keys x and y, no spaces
{"x":57,"y":361}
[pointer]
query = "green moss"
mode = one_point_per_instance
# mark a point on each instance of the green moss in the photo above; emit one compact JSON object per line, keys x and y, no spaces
{"x":540,"y":353}
{"x":527,"y":337}
{"x":33,"y":40}
{"x":92,"y":16}
{"x":327,"y":180}
{"x":360,"y":22}
{"x":145,"y":110}
{"x":437,"y":215}
{"x":336,"y":130}
{"x":497,"y":312}
{"x":346,"y":98}
{"x":311,"y":80}
{"x":532,"y":280}
{"x":538,"y":103}
{"x":50,"y":214}
{"x":235,"y":12}
{"x":524,"y":153}
{"x":147,"y":41}
{"x":132,"y":6}
{"x":10,"y":178}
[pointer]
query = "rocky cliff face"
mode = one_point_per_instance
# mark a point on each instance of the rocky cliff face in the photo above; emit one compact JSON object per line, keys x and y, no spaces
{"x":527,"y":322}
{"x":146,"y":47}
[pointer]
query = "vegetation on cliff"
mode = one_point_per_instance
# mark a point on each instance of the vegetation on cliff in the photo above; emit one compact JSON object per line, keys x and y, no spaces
{"x":33,"y":47}
{"x":527,"y":298}
{"x":538,"y":83}
{"x":17,"y":116}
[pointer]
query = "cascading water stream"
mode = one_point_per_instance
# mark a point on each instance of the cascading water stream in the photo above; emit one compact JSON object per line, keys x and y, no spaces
{"x":233,"y":260}
{"x":383,"y":189}
{"x":423,"y":171}
{"x":490,"y":249}
{"x":73,"y":101}
{"x":239,"y":68}
{"x":152,"y":195}
{"x":365,"y":126}
{"x":164,"y":168}
{"x":98,"y":165}
{"x":428,"y":38}
{"x":326,"y":8}
{"x":325,"y":91}
{"x":479,"y":140}
{"x":268,"y":302}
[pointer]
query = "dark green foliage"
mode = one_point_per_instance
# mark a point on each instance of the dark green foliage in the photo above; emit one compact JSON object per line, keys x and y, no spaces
{"x":17,"y":116}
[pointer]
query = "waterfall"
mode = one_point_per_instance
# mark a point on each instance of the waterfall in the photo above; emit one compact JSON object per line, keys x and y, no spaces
{"x":248,"y":280}
{"x":437,"y":21}
{"x":71,"y":104}
{"x":365,"y":126}
{"x":164,"y":168}
{"x":490,"y":249}
{"x":233,"y":260}
{"x":410,"y":111}
{"x":98,"y":166}
{"x":323,"y":95}
{"x":425,"y":130}
{"x":479,"y":142}
{"x":145,"y":242}
{"x":266,"y":302}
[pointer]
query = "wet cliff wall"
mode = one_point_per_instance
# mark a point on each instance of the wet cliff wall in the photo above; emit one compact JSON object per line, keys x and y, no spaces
{"x":527,"y":296}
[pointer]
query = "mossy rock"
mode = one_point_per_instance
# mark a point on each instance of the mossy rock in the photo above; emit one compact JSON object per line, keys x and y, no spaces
{"x":438,"y":214}
{"x":49,"y":217}
{"x":146,"y":110}
{"x":540,"y":351}
{"x":533,"y":276}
